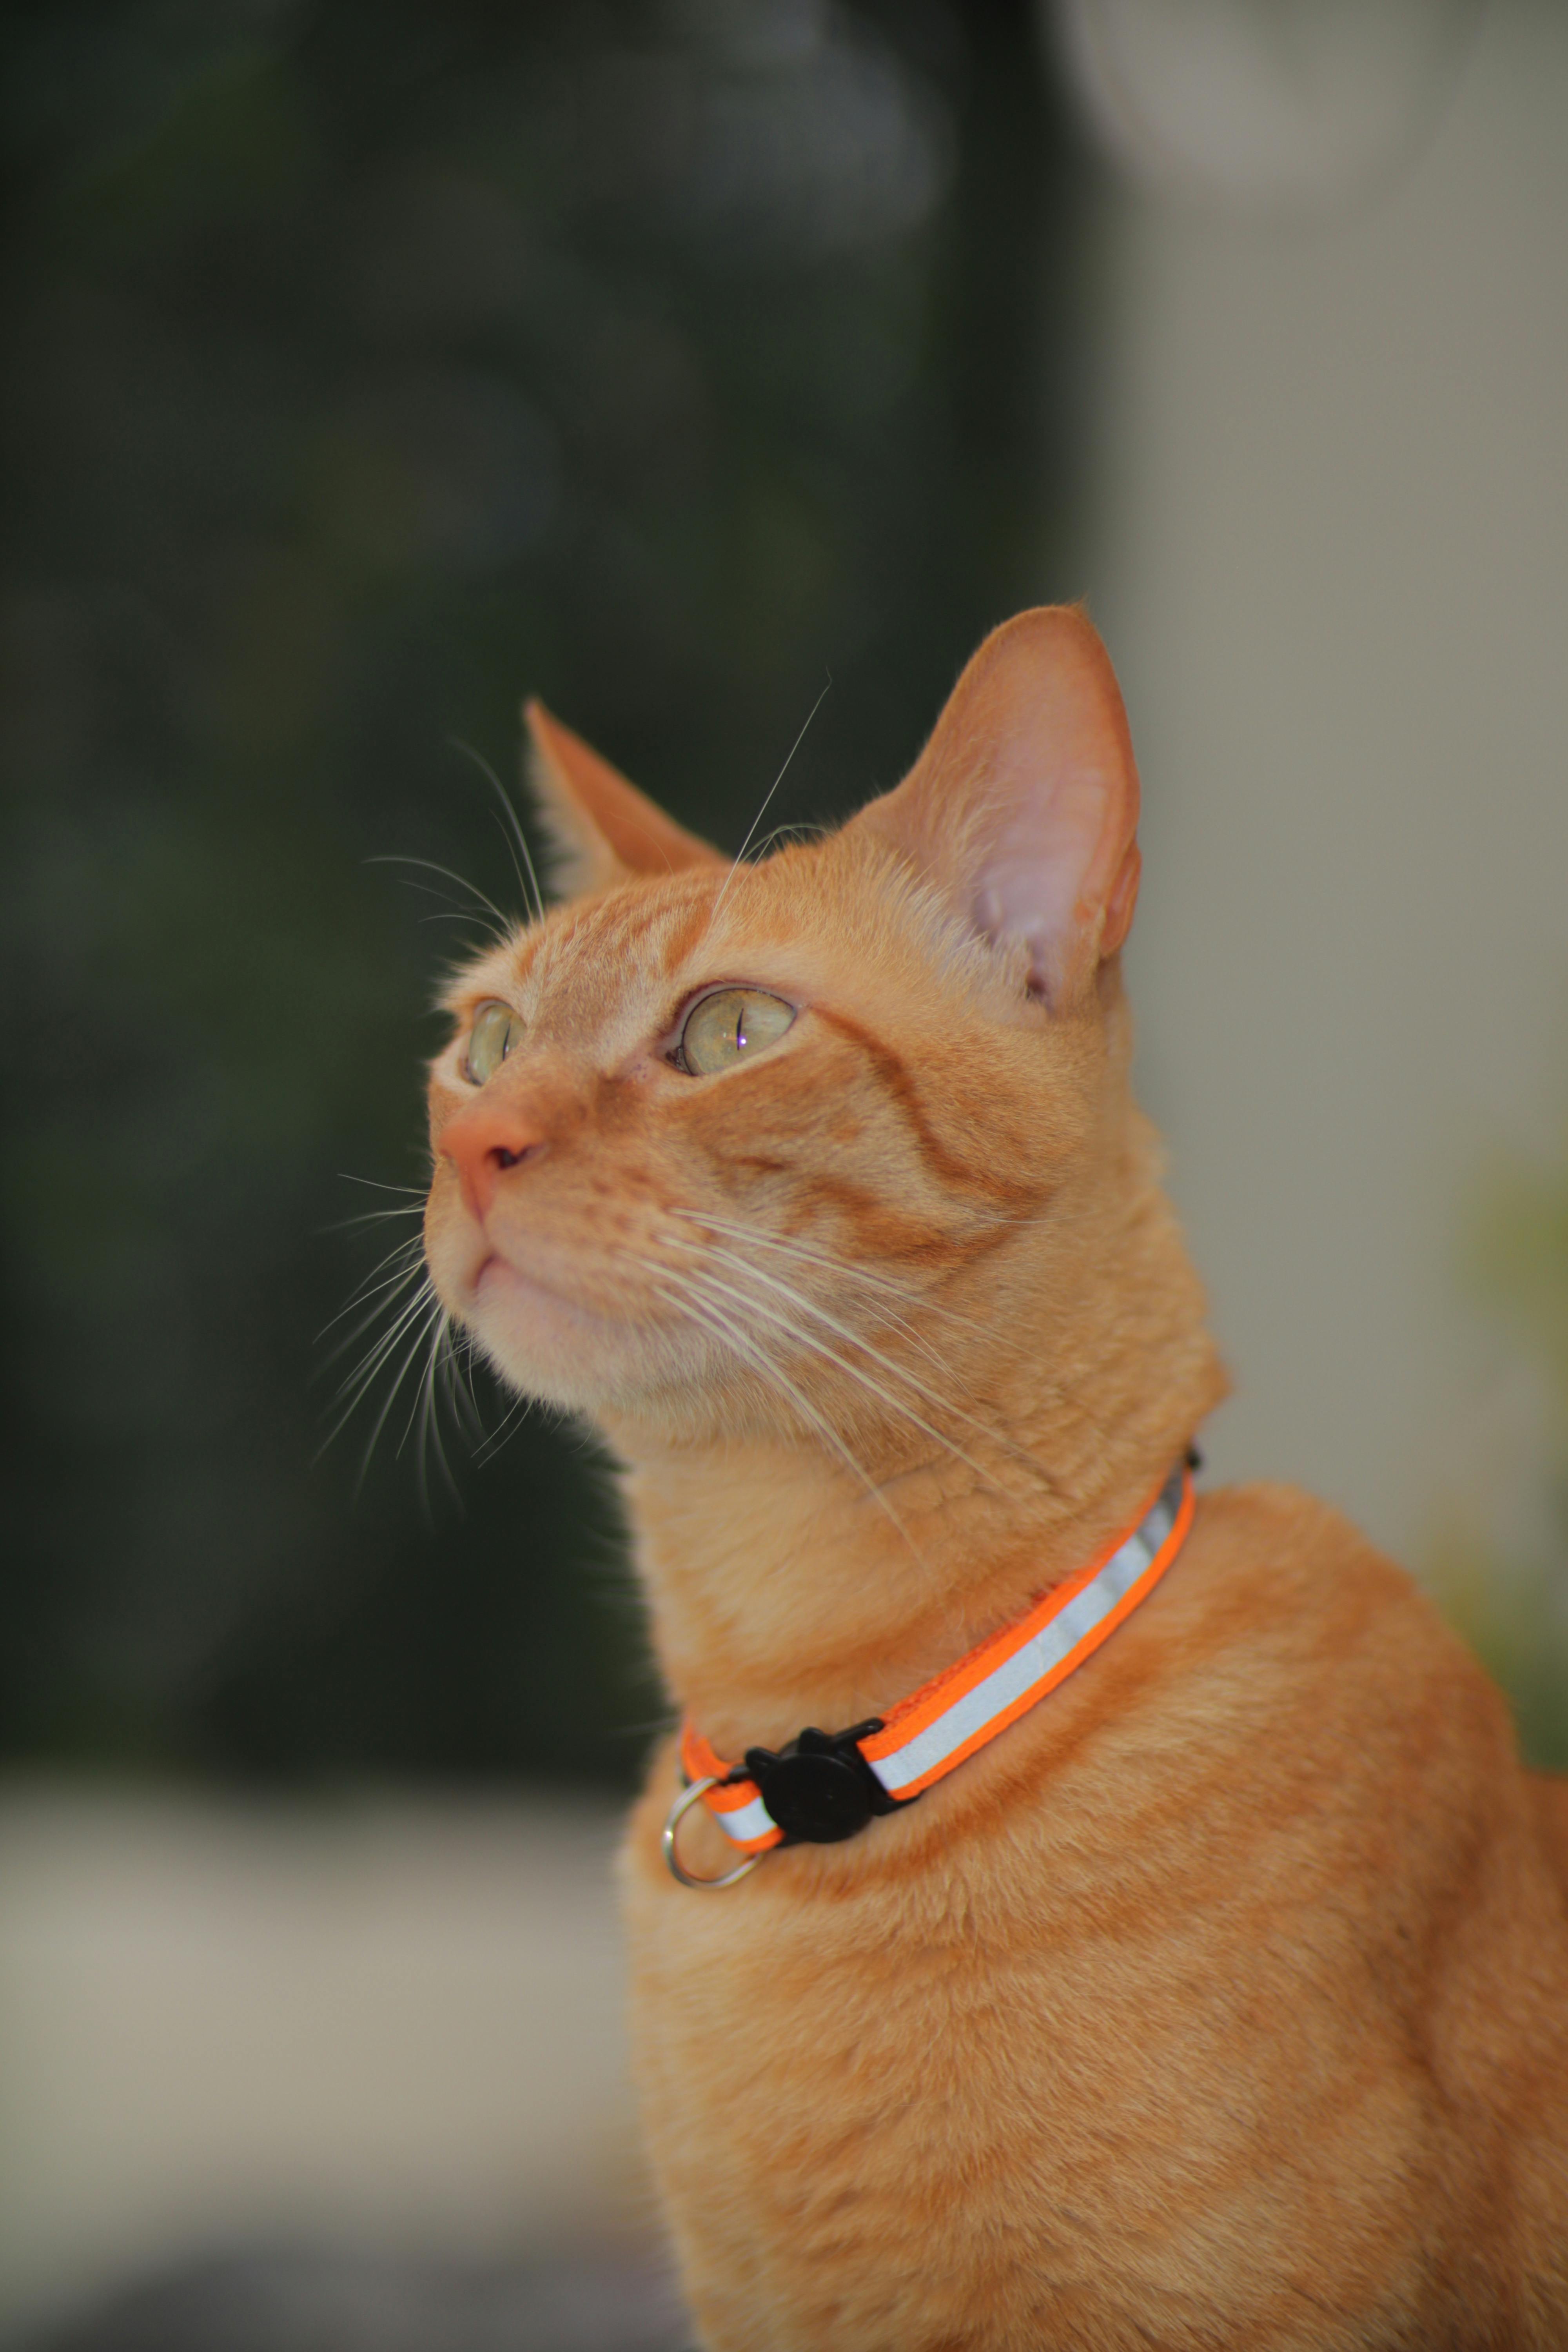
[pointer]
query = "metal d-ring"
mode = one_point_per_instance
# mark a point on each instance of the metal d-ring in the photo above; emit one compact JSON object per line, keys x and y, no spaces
{"x":673,"y":1818}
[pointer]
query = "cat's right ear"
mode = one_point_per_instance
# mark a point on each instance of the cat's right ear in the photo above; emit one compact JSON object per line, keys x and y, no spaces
{"x":1023,"y":807}
{"x":601,"y":829}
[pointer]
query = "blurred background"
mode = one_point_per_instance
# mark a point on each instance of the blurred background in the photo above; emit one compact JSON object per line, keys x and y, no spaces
{"x":368,"y":367}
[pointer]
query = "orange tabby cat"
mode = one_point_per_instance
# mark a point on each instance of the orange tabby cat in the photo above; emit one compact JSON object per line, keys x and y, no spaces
{"x":1221,"y":1998}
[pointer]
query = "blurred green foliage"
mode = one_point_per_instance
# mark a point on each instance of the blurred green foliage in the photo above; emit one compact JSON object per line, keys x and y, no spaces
{"x":370,"y":364}
{"x":1507,"y":1588}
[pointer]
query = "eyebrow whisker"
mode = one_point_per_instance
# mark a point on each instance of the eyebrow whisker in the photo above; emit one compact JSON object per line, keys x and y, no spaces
{"x":511,"y":832}
{"x":767,"y":796}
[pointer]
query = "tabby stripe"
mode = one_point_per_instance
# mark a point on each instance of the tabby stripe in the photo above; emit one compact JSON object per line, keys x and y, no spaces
{"x":928,"y":1734}
{"x":944,"y":1165}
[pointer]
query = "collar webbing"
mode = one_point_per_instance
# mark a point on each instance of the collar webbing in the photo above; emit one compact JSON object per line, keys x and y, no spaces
{"x":958,"y":1711}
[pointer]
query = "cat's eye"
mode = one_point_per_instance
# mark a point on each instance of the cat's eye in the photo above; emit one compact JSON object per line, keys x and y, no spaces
{"x":496,"y":1030}
{"x":722,"y":1029}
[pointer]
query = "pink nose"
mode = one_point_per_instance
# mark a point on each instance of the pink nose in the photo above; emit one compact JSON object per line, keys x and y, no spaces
{"x":483,"y":1141}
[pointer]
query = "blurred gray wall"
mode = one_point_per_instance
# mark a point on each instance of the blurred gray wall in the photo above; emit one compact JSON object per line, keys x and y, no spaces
{"x":1331,"y":562}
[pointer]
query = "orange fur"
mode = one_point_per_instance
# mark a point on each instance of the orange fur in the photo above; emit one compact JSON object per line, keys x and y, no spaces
{"x":1221,"y":2002}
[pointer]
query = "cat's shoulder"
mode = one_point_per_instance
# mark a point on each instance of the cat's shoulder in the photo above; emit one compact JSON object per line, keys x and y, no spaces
{"x":1294,"y":1543}
{"x":1269,"y":1523}
{"x":1288,"y":1584}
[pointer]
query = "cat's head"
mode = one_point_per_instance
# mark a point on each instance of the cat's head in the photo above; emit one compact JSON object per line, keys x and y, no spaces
{"x":733,"y":1148}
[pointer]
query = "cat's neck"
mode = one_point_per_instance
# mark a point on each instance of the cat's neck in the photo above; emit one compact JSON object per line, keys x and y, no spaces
{"x":788,"y":1588}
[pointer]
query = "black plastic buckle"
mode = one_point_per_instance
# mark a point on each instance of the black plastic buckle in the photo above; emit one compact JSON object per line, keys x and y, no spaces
{"x":818,"y":1788}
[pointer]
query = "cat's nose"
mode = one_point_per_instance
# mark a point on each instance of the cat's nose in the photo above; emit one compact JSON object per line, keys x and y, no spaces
{"x":486,"y":1139}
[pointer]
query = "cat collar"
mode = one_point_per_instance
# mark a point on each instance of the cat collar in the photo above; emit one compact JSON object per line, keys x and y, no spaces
{"x":823,"y":1786}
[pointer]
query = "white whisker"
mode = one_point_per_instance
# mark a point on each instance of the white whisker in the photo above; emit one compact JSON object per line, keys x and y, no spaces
{"x":403,"y":1273}
{"x":942,"y":1404}
{"x":457,"y":1374}
{"x":752,"y":1353}
{"x":512,"y":831}
{"x":906,"y":1291}
{"x":421,"y":1310}
{"x":711,"y":1286}
{"x":373,"y":1217}
{"x":767,"y":796}
{"x":873,"y":1306}
{"x":857,"y":1339}
{"x":516,"y":1413}
{"x":416,"y":1191}
{"x":425,"y":1416}
{"x":357,"y":1381}
{"x":503,"y":927}
{"x":367,"y":1323}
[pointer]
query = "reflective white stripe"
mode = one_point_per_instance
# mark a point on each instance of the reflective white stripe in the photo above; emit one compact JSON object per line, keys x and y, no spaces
{"x":976,"y":1713}
{"x":1035,"y":1658}
{"x":747,"y":1822}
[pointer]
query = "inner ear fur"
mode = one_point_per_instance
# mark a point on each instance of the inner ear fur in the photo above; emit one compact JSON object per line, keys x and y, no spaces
{"x":1023,"y":807}
{"x":601,"y":829}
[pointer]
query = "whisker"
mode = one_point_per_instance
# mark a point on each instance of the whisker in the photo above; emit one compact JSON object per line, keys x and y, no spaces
{"x":773,"y":1375}
{"x":411,"y":1246}
{"x":373,"y":1217}
{"x":432,"y":1306}
{"x":809,"y":1339}
{"x":409,"y":1332}
{"x":461,"y":915}
{"x":357,"y":1381}
{"x":942,"y":1404}
{"x":862,"y":1275}
{"x":916,"y":1299}
{"x":512,"y":831}
{"x":457,"y":1362}
{"x":529,"y":913}
{"x":767,"y":796}
{"x":353,"y":1391}
{"x":424,"y":1413}
{"x":366,"y":1323}
{"x":874,"y":1306}
{"x":401,"y":1275}
{"x":394,"y":858}
{"x":511,"y":1421}
{"x":800,"y":1298}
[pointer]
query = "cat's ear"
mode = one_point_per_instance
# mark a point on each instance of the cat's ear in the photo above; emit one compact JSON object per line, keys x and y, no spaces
{"x":601,"y":829}
{"x":1023,"y":807}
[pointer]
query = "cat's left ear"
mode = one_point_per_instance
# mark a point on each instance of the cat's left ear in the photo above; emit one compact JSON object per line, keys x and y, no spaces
{"x":1023,"y":807}
{"x":601,"y":829}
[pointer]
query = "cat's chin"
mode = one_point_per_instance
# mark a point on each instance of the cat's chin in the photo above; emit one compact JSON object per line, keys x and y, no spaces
{"x":552,"y":1347}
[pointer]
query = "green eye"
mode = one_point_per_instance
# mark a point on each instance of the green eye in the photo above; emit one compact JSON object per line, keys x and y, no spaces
{"x":496,"y":1030}
{"x":728,"y":1023}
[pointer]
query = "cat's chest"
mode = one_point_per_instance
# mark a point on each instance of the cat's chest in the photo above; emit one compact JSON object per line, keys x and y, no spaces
{"x":930,"y":2073}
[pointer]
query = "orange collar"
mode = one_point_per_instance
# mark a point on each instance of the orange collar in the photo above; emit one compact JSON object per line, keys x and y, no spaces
{"x":823,"y":1786}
